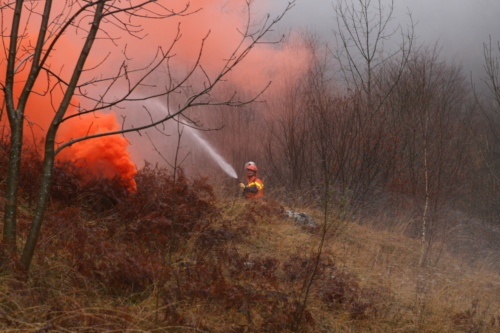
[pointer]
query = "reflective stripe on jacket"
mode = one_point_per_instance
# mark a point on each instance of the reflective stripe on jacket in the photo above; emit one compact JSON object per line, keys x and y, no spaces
{"x":254,"y":188}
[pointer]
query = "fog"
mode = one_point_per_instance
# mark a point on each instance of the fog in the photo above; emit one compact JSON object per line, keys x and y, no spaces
{"x":460,"y":27}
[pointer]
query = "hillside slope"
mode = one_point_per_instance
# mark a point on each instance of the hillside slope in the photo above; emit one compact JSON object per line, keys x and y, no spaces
{"x":155,"y":261}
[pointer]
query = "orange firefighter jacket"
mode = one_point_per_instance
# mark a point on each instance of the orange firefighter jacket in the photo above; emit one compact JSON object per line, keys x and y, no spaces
{"x":254,"y":188}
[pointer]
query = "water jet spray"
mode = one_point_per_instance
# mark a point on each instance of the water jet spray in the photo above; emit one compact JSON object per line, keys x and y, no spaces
{"x":222,"y":163}
{"x":228,"y":169}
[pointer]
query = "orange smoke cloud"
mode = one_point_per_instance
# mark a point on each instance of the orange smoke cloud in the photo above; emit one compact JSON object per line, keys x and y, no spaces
{"x":106,"y":155}
{"x":224,"y":19}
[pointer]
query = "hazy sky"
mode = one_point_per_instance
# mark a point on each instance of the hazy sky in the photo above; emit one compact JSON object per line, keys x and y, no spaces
{"x":460,"y":26}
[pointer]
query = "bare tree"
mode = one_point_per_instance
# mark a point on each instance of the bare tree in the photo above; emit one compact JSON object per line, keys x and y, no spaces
{"x":488,"y":100}
{"x":318,"y":137}
{"x":370,"y":70}
{"x":492,"y":71}
{"x":287,"y":142}
{"x":362,"y":28}
{"x":29,"y":63}
{"x":287,"y":136}
{"x":430,"y":115}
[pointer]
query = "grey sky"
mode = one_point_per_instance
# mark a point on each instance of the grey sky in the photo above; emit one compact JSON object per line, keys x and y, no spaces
{"x":460,"y":26}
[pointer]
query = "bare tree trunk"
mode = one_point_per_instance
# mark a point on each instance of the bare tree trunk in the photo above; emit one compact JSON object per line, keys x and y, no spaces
{"x":425,"y":246}
{"x":12,"y":187}
{"x":16,"y":128}
{"x":48,"y":161}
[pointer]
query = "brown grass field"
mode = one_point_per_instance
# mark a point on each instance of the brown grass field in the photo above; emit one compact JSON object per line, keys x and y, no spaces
{"x":111,"y":261}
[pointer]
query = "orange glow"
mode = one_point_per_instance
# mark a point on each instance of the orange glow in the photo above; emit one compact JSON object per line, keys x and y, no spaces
{"x":224,"y":19}
{"x":106,"y":156}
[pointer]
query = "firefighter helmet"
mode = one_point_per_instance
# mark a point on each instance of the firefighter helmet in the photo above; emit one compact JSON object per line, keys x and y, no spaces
{"x":252,"y":167}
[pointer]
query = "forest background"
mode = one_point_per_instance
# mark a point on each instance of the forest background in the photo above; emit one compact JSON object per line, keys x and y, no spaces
{"x":369,"y":124}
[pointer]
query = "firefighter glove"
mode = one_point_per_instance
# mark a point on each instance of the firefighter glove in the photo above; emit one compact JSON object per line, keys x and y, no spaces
{"x":242,"y":186}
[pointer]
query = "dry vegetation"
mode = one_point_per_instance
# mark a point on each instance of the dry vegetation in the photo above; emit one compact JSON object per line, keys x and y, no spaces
{"x":399,"y":148}
{"x":114,"y":261}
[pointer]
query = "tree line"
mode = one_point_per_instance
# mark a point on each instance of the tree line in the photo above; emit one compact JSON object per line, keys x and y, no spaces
{"x":382,"y":131}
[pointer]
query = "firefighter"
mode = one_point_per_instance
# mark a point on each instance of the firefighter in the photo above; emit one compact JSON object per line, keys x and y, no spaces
{"x":254,"y":187}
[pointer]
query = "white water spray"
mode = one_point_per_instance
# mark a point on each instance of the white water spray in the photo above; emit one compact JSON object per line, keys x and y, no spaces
{"x":222,"y":163}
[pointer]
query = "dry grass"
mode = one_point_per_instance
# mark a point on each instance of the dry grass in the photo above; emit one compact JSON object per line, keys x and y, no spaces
{"x":447,"y":297}
{"x":247,"y":272}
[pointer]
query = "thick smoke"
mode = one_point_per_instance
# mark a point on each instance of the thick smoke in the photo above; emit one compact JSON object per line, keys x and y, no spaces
{"x":105,"y":155}
{"x":222,"y":22}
